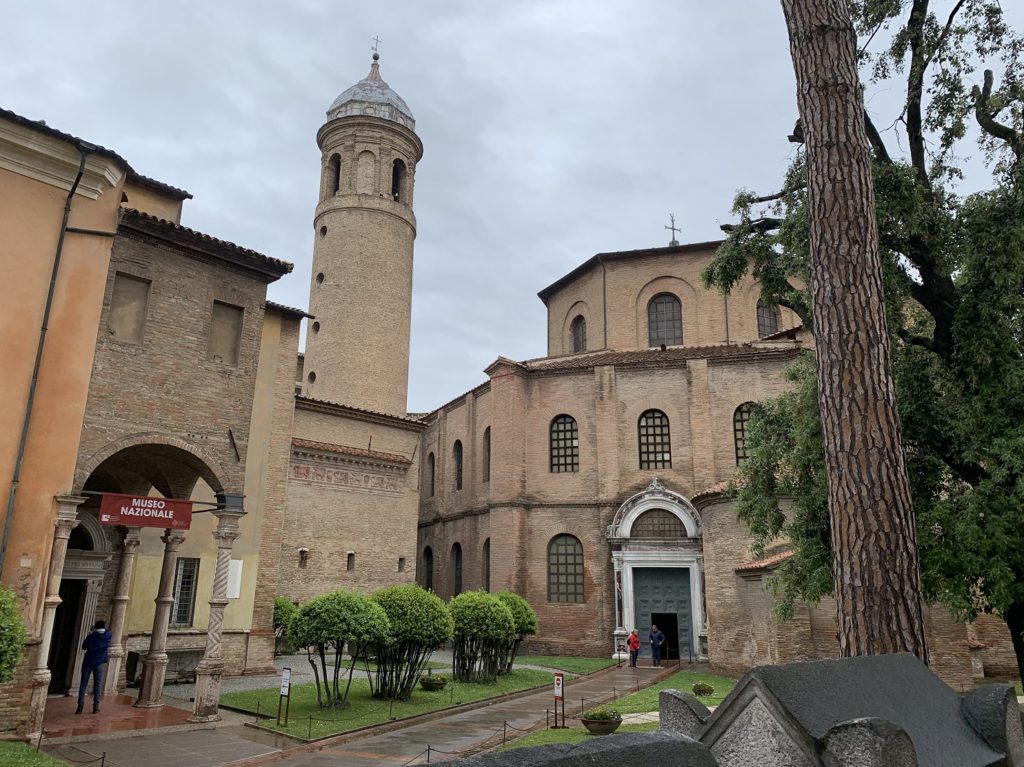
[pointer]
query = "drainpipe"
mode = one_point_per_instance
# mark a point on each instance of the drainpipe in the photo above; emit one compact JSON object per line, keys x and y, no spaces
{"x":84,"y":150}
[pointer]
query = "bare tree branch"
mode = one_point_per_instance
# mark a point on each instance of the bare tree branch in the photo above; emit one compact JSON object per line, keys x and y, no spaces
{"x":915,"y":90}
{"x":761,"y":225}
{"x":876,"y":140}
{"x":987,"y":118}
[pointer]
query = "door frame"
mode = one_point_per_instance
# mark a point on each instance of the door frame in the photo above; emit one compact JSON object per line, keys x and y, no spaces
{"x":668,"y":558}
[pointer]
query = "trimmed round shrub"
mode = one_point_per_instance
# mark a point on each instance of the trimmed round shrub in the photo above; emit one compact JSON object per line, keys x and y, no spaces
{"x":526,"y":625}
{"x":484,"y":628}
{"x":702,"y":689}
{"x":420,"y":622}
{"x":12,"y":634}
{"x":284,"y":612}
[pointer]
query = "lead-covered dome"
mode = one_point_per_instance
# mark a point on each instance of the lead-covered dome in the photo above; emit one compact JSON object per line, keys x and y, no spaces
{"x":374,"y":97}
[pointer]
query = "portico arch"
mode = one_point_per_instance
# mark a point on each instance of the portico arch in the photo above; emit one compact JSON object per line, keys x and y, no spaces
{"x":675,"y":560}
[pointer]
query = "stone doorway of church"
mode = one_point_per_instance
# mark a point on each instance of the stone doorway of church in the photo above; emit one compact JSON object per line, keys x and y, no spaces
{"x":661,"y":595}
{"x":63,"y":646}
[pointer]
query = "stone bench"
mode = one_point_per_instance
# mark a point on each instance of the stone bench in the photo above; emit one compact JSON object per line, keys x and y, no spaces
{"x":181,"y":665}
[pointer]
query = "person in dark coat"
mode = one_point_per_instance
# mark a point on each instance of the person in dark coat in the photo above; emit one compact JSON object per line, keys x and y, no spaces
{"x":96,"y":647}
{"x":657,"y":642}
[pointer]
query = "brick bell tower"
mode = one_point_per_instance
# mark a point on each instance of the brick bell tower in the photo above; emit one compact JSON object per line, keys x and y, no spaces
{"x":357,"y":348}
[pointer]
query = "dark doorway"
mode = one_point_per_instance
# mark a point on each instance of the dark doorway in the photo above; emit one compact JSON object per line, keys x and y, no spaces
{"x":669,"y":625}
{"x":62,"y":644}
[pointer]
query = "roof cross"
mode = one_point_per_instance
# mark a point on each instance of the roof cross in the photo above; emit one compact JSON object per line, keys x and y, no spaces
{"x":674,"y":229}
{"x":376,"y":44}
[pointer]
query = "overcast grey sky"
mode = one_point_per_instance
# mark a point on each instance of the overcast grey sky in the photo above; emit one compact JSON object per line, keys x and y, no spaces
{"x":552,"y":130}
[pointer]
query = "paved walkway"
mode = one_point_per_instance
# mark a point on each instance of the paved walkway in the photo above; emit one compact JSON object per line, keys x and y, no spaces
{"x":445,"y":735}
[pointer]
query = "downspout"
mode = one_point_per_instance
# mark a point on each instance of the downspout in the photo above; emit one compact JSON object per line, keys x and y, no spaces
{"x":604,"y":297}
{"x":725,"y":297}
{"x":84,"y":149}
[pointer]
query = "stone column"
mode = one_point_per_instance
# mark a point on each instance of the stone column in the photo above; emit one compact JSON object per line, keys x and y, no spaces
{"x":619,"y":635}
{"x":211,"y":667}
{"x":67,"y":520}
{"x":154,"y":668}
{"x":119,"y":610}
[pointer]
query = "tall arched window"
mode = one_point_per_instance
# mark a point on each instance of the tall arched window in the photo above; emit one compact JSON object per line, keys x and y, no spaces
{"x":428,"y":568}
{"x":579,"y":334}
{"x":486,"y":455}
{"x":456,"y":569}
{"x":565,"y":569}
{"x":767,"y":319}
{"x":457,"y":461}
{"x":485,"y":565}
{"x":654,"y":440}
{"x":657,"y":523}
{"x":565,"y":444}
{"x":397,"y":180}
{"x":740,"y":430}
{"x":665,"y":320}
{"x":430,"y":475}
{"x":334,"y":174}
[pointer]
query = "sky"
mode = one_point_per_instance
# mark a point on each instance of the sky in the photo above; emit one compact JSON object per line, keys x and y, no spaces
{"x":552,"y":130}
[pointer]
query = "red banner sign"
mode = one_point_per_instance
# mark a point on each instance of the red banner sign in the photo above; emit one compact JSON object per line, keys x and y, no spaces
{"x":143,"y":511}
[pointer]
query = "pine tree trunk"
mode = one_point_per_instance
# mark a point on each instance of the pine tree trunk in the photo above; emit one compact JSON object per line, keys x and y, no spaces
{"x":875,"y":565}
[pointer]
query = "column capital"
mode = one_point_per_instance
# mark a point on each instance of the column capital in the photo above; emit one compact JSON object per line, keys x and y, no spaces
{"x":132,"y":538}
{"x":67,"y":512}
{"x":231,"y":505}
{"x":172,"y":539}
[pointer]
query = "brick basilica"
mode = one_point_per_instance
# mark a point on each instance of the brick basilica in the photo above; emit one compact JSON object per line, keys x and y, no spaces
{"x":590,"y":481}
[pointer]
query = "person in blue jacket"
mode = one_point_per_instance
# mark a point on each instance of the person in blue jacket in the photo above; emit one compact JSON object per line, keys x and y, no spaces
{"x":657,"y":642}
{"x":96,"y":646}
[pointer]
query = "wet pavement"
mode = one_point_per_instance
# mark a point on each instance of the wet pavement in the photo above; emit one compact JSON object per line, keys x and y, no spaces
{"x":482,"y":726}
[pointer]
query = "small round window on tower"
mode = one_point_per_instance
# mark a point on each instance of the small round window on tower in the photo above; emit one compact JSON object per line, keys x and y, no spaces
{"x":320,"y":278}
{"x":323,"y":231}
{"x":311,"y":377}
{"x":316,"y":327}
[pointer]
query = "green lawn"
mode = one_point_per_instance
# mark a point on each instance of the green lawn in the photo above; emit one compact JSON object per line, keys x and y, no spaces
{"x":364,"y":710}
{"x":573,"y":665}
{"x":572,"y":735}
{"x":20,"y":755}
{"x":647,"y":699}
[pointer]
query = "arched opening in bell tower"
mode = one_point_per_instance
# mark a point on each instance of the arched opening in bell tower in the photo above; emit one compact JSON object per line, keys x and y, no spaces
{"x":398,"y":173}
{"x":334,"y":174}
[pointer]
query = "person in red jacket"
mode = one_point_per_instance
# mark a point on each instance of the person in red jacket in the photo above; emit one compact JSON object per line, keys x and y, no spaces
{"x":634,"y":647}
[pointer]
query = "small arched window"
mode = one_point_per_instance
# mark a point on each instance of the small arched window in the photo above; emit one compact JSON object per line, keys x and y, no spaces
{"x":579,"y":334}
{"x":486,"y":455}
{"x":485,"y":565}
{"x":565,"y":444}
{"x":430,"y":475}
{"x":456,"y":569}
{"x":334,"y":174}
{"x":741,"y":430}
{"x":654,"y":440}
{"x":397,"y":180}
{"x":767,"y":319}
{"x":428,"y":568}
{"x":565,"y":569}
{"x":665,"y":320}
{"x":457,"y":461}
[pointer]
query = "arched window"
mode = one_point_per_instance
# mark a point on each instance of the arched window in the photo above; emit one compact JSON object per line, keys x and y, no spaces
{"x":456,"y":569}
{"x":565,"y":444}
{"x":457,"y":461}
{"x":741,"y":430}
{"x":565,"y":569}
{"x":334,"y":174}
{"x":767,"y":319}
{"x":579,"y":334}
{"x":485,"y":565}
{"x":366,"y":173}
{"x":654,"y":440}
{"x":430,"y":475}
{"x":486,"y":454}
{"x":665,"y":320}
{"x":657,"y":523}
{"x":428,"y":568}
{"x":397,"y":180}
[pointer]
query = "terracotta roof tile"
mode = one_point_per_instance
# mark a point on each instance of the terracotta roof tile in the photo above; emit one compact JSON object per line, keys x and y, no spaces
{"x":648,"y":356}
{"x":288,"y":310}
{"x":765,"y":563}
{"x":327,"y":447}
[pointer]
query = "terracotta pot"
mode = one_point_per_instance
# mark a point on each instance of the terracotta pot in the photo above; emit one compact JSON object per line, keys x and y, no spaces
{"x":601,"y":726}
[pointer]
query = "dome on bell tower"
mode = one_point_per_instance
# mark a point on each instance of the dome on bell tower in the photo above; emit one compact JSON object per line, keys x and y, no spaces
{"x":373,"y":97}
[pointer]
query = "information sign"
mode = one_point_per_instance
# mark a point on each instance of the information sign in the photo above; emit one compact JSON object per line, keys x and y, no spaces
{"x":143,"y":511}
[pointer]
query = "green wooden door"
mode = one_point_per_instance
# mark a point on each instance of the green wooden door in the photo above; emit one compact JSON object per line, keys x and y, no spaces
{"x":662,"y":590}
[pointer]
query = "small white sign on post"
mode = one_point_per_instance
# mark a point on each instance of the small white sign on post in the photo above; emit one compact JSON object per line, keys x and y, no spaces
{"x":286,"y":695}
{"x":558,"y":686}
{"x":286,"y":681}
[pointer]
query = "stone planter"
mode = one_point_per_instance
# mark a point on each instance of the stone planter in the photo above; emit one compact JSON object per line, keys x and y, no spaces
{"x":432,"y":683}
{"x":601,"y":726}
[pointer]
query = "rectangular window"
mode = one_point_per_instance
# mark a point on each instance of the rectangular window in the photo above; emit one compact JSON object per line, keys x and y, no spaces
{"x":350,"y":561}
{"x":128,"y":301}
{"x":225,"y":334}
{"x":186,"y":576}
{"x":401,"y":564}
